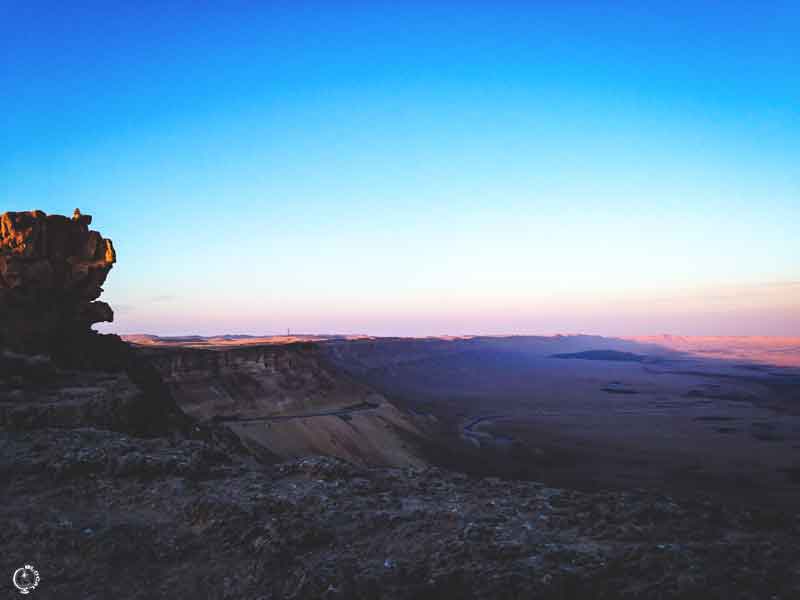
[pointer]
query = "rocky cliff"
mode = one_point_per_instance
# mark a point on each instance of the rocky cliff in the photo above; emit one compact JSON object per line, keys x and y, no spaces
{"x":52,"y":269}
{"x":55,"y":371}
{"x":288,"y":399}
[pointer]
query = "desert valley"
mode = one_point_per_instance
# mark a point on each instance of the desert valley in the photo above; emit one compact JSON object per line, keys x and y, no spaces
{"x":362,"y":467}
{"x":583,"y":411}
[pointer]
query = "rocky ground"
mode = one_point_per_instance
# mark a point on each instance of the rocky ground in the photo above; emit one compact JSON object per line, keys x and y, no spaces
{"x":102,"y":514}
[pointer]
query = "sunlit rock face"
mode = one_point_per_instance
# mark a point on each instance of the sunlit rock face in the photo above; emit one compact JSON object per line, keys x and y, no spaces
{"x":52,"y":269}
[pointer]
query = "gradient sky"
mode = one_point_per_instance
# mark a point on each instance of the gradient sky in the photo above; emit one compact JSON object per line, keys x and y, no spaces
{"x":418,"y":168}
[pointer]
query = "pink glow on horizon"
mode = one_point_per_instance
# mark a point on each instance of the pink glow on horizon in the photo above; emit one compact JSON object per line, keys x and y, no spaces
{"x":756,"y":309}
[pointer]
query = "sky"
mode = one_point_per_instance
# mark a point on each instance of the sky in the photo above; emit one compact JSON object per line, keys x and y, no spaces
{"x":418,"y":168}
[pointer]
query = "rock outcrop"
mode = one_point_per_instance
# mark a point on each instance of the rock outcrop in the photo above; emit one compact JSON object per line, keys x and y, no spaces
{"x":52,"y":269}
{"x":55,"y":371}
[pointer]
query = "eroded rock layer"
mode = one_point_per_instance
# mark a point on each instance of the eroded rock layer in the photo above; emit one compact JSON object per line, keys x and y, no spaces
{"x":52,"y":269}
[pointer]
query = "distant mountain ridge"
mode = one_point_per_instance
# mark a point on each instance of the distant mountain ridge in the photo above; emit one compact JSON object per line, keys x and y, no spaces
{"x":780,"y":351}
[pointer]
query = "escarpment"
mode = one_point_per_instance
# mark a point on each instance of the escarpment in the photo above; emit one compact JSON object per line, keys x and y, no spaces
{"x":288,"y":399}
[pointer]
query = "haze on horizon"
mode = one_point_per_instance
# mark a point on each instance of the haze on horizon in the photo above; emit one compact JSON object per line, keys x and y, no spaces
{"x":418,"y":169}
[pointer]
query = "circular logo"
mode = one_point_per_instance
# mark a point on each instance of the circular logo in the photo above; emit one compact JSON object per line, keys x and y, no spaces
{"x":26,"y":579}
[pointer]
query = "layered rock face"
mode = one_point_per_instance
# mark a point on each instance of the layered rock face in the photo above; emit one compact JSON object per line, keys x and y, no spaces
{"x":52,"y":269}
{"x":288,"y":399}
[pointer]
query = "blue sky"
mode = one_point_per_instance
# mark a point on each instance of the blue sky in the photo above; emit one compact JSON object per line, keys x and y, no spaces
{"x":418,"y":168}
